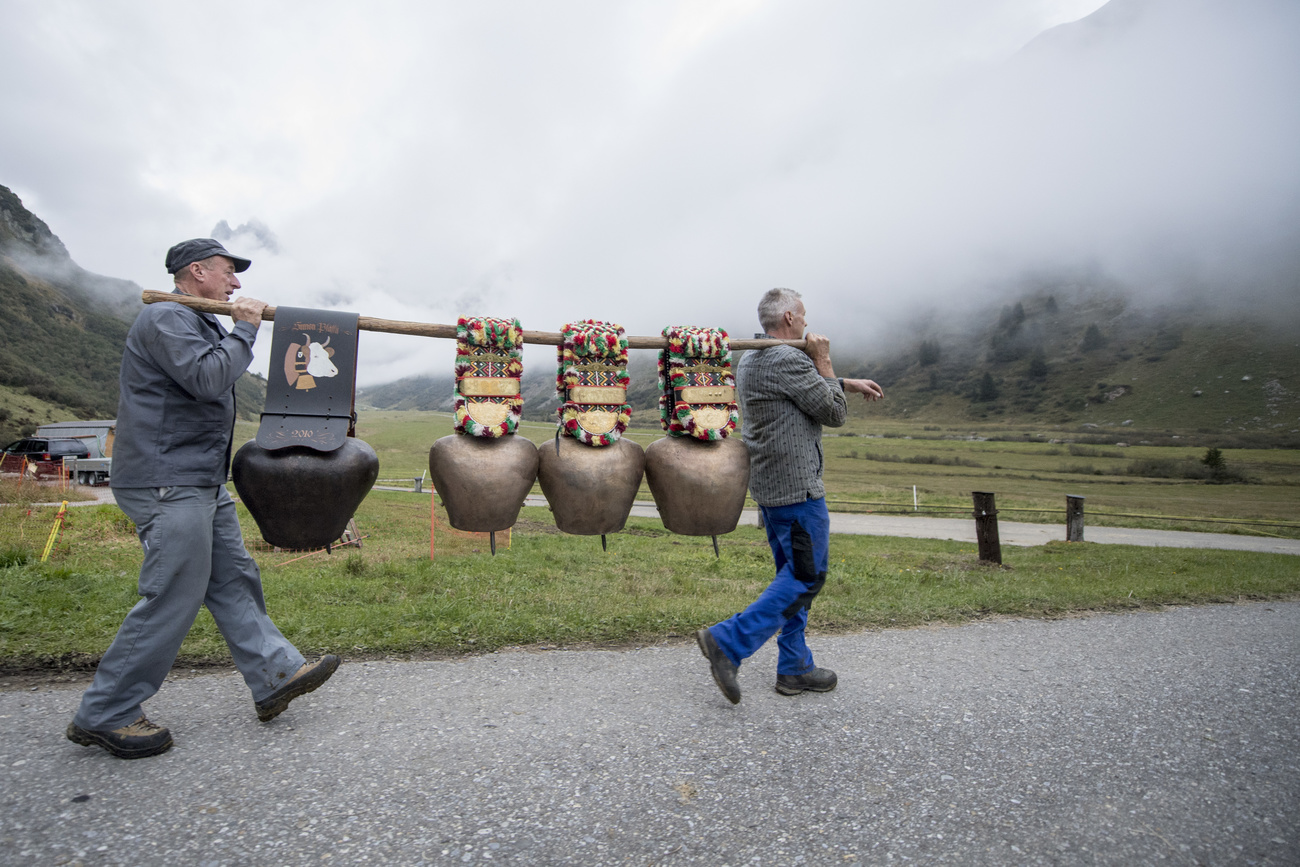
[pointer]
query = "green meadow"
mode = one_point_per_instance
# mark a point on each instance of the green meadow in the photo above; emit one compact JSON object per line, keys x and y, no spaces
{"x":544,"y":588}
{"x":873,"y":464}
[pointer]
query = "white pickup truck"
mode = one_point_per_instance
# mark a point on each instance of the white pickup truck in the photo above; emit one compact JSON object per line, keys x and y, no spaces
{"x":98,"y":437}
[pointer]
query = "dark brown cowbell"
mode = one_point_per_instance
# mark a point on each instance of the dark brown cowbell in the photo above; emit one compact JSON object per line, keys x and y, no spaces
{"x":302,"y":498}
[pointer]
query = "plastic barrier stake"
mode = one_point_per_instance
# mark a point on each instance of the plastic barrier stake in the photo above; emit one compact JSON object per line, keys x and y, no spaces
{"x":54,"y":531}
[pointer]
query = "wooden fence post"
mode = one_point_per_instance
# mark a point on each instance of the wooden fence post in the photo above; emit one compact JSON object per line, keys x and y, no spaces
{"x":1074,"y":518}
{"x":986,"y":527}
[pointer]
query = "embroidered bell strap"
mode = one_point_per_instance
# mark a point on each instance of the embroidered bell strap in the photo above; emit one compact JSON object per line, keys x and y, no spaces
{"x":592,"y":382}
{"x":312,"y":380}
{"x":489,"y":365}
{"x":698,"y":390}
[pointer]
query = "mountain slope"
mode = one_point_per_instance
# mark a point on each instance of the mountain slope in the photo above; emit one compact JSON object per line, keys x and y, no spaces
{"x":63,"y":331}
{"x":1087,"y":356}
{"x":1063,"y":355}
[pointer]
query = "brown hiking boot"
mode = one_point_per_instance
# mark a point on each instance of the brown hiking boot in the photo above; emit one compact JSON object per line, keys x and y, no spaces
{"x":307,"y":678}
{"x":136,"y":741}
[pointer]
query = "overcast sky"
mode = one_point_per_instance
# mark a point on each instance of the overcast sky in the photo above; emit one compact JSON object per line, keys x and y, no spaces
{"x":661,"y":163}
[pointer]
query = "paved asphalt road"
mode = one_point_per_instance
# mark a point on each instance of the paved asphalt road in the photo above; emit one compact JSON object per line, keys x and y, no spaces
{"x":1158,"y":737}
{"x":1117,"y":739}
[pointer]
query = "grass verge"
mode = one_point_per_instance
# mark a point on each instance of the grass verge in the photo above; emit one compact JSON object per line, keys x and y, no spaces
{"x":552,"y":589}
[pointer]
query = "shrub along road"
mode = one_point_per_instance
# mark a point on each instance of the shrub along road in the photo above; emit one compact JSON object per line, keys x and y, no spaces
{"x":1130,"y":738}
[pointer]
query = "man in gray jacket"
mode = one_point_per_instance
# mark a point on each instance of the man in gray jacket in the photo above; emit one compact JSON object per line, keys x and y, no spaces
{"x":786,"y":396}
{"x":171,"y":457}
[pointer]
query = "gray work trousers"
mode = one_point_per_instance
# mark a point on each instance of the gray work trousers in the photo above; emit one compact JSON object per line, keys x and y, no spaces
{"x":193,"y":555}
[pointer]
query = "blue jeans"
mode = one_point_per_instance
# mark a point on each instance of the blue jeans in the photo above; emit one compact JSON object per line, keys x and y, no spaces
{"x":194,"y":555}
{"x":800,"y":538}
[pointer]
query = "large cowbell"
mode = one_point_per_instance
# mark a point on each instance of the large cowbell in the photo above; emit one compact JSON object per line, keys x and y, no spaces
{"x":698,"y":474}
{"x":305,"y":474}
{"x":699,"y":486}
{"x":483,"y":471}
{"x":590,"y":474}
{"x":590,"y":490}
{"x":482,"y":482}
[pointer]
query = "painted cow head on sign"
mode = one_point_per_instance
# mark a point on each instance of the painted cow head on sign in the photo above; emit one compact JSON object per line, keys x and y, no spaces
{"x":310,"y":359}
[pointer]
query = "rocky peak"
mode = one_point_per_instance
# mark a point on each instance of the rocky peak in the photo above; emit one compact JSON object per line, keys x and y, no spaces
{"x":21,"y":229}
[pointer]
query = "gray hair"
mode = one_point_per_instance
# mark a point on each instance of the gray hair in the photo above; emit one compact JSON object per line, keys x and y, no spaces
{"x":775,"y":304}
{"x":209,"y":264}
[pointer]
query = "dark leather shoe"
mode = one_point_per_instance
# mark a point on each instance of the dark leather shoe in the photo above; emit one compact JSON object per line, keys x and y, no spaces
{"x":724,"y":670}
{"x":307,"y":678}
{"x":817,"y":680}
{"x":136,"y":741}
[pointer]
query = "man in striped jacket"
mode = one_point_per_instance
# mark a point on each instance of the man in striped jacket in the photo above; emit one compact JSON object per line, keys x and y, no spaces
{"x":786,"y":396}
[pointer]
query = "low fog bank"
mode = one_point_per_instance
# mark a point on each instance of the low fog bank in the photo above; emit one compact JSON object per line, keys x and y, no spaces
{"x":1147,"y":150}
{"x":29,"y":245}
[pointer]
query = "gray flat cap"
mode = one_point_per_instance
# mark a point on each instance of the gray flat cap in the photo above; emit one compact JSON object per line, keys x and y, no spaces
{"x":198,"y":249}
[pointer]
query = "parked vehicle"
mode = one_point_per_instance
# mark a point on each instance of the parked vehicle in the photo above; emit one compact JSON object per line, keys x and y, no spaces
{"x":97,"y":437}
{"x":41,"y":457}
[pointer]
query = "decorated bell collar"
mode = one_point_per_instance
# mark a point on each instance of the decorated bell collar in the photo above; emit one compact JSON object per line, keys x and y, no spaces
{"x":698,"y":396}
{"x":592,"y":382}
{"x":489,"y":365}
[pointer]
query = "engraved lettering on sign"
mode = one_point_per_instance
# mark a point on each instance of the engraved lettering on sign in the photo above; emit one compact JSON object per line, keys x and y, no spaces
{"x":707,"y":394}
{"x":489,"y":386}
{"x":327,"y":327}
{"x":604,"y":395}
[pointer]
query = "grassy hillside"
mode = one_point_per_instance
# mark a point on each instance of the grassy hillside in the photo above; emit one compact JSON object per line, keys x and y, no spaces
{"x":61,"y":344}
{"x":1095,"y":361}
{"x":56,"y":357}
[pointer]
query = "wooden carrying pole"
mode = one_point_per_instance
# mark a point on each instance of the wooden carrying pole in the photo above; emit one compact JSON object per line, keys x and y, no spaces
{"x":430,"y":329}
